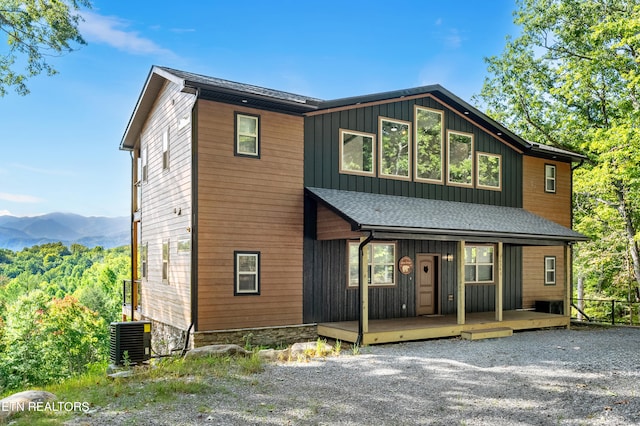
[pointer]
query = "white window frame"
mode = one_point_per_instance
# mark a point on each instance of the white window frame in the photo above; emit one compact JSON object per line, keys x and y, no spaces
{"x":550,"y":269}
{"x":184,"y":245}
{"x":238,"y":152}
{"x":402,"y":123}
{"x":471,"y":174}
{"x":238,"y":273}
{"x":477,"y":264}
{"x":478,"y":177}
{"x":417,"y":109}
{"x":550,"y":179}
{"x":144,"y":261}
{"x":346,"y":170}
{"x":354,"y":245}
{"x":165,"y":149}
{"x":144,"y":160}
{"x":166,"y":249}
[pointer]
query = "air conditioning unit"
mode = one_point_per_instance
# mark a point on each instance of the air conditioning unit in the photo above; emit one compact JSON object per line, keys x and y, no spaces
{"x":132,"y":338}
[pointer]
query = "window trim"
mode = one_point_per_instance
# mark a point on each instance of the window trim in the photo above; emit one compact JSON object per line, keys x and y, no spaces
{"x":144,"y":159}
{"x":547,"y":271}
{"x":381,"y":146}
{"x":415,"y":145}
{"x":371,"y":244}
{"x":493,"y":266}
{"x":554,"y":179}
{"x":470,"y":135}
{"x":372,"y":173}
{"x":165,"y":149}
{"x":236,"y":144}
{"x":236,"y":273}
{"x":144,"y":261}
{"x":165,"y":278}
{"x":488,"y":187}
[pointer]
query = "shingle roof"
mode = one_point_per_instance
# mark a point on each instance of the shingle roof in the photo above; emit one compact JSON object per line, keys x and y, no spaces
{"x":390,"y":213}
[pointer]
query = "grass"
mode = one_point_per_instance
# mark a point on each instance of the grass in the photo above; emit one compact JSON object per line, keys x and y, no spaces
{"x":158,"y":383}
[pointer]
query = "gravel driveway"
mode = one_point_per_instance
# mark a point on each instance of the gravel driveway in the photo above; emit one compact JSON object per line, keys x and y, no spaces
{"x":583,"y":376}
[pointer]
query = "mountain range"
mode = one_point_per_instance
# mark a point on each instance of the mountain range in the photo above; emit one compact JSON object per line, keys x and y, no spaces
{"x":16,"y":233}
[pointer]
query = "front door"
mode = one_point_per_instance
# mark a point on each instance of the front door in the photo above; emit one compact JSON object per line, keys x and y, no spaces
{"x":426,"y":285}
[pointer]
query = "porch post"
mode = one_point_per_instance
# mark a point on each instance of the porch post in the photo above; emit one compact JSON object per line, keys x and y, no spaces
{"x":567,"y":280}
{"x":461,"y":290}
{"x":499,"y":284}
{"x":364,"y":287}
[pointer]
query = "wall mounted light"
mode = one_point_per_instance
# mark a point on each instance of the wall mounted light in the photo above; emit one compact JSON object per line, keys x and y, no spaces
{"x":449,"y":257}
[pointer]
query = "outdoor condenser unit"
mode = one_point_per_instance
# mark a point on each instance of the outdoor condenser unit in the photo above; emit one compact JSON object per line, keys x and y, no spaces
{"x":132,"y":337}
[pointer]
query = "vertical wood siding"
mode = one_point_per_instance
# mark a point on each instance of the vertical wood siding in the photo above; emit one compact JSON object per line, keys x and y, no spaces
{"x":254,"y":205}
{"x":322,"y":141}
{"x":164,"y":192}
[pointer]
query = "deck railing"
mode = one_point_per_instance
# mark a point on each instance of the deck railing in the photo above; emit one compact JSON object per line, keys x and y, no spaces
{"x":606,"y":311}
{"x":127,"y":293}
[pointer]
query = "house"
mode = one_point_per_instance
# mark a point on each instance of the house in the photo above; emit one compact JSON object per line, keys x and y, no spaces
{"x":266,"y":215}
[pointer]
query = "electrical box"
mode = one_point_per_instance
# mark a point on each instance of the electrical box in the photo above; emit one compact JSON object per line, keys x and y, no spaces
{"x":130,"y":342}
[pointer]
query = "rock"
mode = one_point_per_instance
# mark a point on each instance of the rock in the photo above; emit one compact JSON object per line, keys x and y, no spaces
{"x":22,"y":401}
{"x":121,"y":374}
{"x":302,"y":350}
{"x":274,"y":354}
{"x":216,"y":350}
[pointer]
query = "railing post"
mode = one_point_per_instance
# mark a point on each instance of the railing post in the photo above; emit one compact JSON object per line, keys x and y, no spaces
{"x":613,"y":314}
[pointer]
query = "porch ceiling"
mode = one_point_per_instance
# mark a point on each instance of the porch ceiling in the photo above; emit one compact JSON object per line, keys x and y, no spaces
{"x":415,"y":218}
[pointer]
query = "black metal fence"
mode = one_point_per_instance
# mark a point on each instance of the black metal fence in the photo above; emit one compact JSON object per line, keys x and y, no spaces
{"x":127,"y":289}
{"x":606,"y":311}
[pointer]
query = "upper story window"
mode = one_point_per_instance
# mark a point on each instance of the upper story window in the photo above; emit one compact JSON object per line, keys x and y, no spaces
{"x":395,"y":152}
{"x":382,"y":263}
{"x":429,"y":145}
{"x":478,"y":264}
{"x":165,"y":149}
{"x":489,"y":168}
{"x":144,"y":253}
{"x":144,"y":156}
{"x":247,"y":135}
{"x":357,"y":153}
{"x":165,"y":261}
{"x":247,"y":272}
{"x":549,"y":270}
{"x":460,"y":159}
{"x":549,"y":178}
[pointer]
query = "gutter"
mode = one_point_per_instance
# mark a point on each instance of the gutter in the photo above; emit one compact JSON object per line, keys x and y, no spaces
{"x":361,"y":285}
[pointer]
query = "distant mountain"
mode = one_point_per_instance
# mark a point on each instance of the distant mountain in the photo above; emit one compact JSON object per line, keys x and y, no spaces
{"x":17,"y":233}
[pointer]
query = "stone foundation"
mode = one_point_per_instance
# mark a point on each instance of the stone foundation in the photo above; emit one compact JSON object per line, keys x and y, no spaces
{"x":165,"y":338}
{"x":263,"y":336}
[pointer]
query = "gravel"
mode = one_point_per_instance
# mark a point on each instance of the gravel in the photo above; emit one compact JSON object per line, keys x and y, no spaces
{"x":582,"y":376}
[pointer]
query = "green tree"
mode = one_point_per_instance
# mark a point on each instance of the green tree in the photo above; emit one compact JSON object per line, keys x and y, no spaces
{"x":571,"y":79}
{"x":36,"y":30}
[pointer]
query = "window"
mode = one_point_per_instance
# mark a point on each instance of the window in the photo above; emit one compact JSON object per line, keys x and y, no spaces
{"x":382,"y":264}
{"x":395,"y":152}
{"x":184,"y":245}
{"x":247,"y":135}
{"x":549,"y":178}
{"x":165,"y":149}
{"x":356,"y":153}
{"x":460,"y":160}
{"x":478,"y":264}
{"x":489,"y":171}
{"x":428,"y":140}
{"x":165,"y":261}
{"x":184,"y":121}
{"x":247,"y":272}
{"x":144,"y":252}
{"x":145,"y":165}
{"x":549,"y":270}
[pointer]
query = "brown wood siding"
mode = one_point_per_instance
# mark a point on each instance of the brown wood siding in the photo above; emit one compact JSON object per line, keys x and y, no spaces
{"x":249,"y":204}
{"x":166,"y":209}
{"x":553,"y":206}
{"x":333,"y":227}
{"x":533,"y":275}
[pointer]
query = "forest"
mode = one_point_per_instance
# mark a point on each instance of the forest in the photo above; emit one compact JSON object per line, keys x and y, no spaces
{"x":56,"y":303}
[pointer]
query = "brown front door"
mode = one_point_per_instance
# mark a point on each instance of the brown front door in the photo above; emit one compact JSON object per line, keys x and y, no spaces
{"x":426,"y":285}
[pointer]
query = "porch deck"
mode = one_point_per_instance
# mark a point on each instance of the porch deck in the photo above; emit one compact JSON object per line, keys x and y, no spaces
{"x":433,"y":327}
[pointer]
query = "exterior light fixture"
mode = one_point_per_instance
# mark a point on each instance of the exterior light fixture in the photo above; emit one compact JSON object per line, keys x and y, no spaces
{"x":449,"y":257}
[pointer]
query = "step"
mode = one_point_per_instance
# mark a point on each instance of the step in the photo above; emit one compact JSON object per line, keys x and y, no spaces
{"x":487,"y":333}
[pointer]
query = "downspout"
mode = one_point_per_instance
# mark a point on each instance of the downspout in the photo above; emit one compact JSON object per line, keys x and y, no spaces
{"x":360,"y":284}
{"x":570,"y":245}
{"x":132,"y":226}
{"x":194,"y":214}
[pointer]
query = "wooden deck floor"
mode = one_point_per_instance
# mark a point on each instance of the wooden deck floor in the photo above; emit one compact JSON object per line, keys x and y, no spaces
{"x":433,"y":327}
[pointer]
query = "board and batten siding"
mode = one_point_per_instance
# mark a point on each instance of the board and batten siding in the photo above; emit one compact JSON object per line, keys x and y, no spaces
{"x":322,"y":142}
{"x":166,"y":208}
{"x":249,"y":204}
{"x":555,"y":207}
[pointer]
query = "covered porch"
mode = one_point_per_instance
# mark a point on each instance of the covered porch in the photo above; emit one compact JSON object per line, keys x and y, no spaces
{"x":438,"y":326}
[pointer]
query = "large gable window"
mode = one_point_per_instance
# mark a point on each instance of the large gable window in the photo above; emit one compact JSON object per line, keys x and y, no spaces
{"x":428,"y":145}
{"x":478,"y":264}
{"x":247,"y":135}
{"x":489,"y":171}
{"x":395,"y":152}
{"x":356,"y":153}
{"x":382,"y":261}
{"x":460,"y":159}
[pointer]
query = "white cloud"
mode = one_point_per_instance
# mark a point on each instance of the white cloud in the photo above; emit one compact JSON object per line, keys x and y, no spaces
{"x":113,"y":31}
{"x":19,"y":198}
{"x":453,"y":39}
{"x":50,"y":172}
{"x":5,"y":213}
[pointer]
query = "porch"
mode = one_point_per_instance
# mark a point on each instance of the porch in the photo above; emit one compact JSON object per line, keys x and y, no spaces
{"x":438,"y":326}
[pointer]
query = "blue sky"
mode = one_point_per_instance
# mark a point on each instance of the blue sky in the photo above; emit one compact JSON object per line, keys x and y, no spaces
{"x":59,"y":144}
